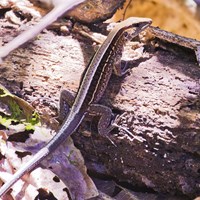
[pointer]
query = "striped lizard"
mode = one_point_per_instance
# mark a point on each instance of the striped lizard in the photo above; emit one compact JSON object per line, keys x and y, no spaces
{"x":92,"y":86}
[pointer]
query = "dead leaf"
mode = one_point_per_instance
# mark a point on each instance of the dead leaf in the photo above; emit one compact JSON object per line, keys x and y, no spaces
{"x":16,"y":110}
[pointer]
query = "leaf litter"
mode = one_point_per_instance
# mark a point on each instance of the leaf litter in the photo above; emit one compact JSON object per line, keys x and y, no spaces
{"x":61,"y":174}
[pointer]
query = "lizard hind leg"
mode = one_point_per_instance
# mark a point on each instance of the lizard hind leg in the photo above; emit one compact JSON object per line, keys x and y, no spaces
{"x":66,"y":101}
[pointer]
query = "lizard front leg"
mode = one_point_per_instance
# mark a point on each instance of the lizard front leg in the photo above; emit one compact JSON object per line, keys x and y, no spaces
{"x":105,"y":113}
{"x":120,"y":68}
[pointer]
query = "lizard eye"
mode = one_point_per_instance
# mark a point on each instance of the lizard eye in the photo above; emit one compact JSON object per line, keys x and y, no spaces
{"x":126,"y":34}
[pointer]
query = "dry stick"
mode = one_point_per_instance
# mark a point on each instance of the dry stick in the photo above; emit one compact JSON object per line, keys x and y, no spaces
{"x":129,"y":3}
{"x":60,"y":8}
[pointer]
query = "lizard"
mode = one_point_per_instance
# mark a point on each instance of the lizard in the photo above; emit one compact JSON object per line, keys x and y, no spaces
{"x":92,"y":86}
{"x":60,"y":7}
